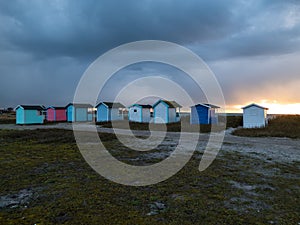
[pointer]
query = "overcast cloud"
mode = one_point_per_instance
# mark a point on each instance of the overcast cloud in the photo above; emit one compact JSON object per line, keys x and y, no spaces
{"x":45,"y":46}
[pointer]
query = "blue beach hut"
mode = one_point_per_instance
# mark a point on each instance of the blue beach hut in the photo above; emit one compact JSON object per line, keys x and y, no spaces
{"x":204,"y":114}
{"x":108,"y":111}
{"x":30,"y":114}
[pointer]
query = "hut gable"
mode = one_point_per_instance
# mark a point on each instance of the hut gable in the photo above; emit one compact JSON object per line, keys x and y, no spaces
{"x":255,"y":105}
{"x":170,"y":104}
{"x":112,"y":105}
{"x":31,"y":107}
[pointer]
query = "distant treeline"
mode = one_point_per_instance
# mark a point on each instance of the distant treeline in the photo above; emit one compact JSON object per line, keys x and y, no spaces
{"x":7,"y":110}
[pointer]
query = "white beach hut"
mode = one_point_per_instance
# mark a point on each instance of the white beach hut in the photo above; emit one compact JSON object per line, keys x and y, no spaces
{"x":139,"y":113}
{"x":166,"y":111}
{"x":254,"y":116}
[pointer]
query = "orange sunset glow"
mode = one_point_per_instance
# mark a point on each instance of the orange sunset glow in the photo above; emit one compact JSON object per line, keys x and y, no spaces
{"x":273,"y":106}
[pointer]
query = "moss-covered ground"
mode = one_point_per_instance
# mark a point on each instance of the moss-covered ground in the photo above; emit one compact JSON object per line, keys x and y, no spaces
{"x":61,"y":188}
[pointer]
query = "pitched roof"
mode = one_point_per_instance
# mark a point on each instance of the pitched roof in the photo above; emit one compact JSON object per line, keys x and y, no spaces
{"x":212,"y":106}
{"x":56,"y":107}
{"x":112,"y":104}
{"x":142,"y":105}
{"x":171,"y":104}
{"x":80,"y":105}
{"x":208,"y":105}
{"x":146,"y":106}
{"x":32,"y":107}
{"x":253,"y":104}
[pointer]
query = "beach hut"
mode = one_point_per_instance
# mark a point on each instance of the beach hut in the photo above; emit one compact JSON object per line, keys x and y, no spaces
{"x":254,"y":116}
{"x":56,"y":114}
{"x":30,"y":114}
{"x":108,"y":111}
{"x":79,"y":112}
{"x":204,"y":114}
{"x":139,"y":113}
{"x":166,"y":111}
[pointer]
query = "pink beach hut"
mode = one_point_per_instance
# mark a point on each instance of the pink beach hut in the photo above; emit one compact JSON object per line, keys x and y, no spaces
{"x":56,"y":114}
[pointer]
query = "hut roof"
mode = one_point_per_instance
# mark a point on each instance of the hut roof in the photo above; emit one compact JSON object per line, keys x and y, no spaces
{"x":208,"y":105}
{"x":112,"y":104}
{"x":142,"y":105}
{"x":80,"y":105}
{"x":253,"y":104}
{"x":171,"y":104}
{"x":32,"y":107}
{"x":56,"y":107}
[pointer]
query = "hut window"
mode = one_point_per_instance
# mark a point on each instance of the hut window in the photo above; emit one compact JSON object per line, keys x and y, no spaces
{"x":134,"y":110}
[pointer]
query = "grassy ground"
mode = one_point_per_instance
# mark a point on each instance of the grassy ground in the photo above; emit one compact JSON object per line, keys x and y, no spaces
{"x":281,"y":126}
{"x":184,"y":125}
{"x":234,"y":121}
{"x":7,"y":118}
{"x":45,"y":173}
{"x":10,"y":118}
{"x":172,"y":127}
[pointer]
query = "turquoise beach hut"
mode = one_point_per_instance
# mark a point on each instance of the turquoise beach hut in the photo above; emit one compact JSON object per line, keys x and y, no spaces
{"x":77,"y":112}
{"x":30,"y":114}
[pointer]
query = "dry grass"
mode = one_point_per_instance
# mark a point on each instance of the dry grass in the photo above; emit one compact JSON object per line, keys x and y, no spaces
{"x":171,"y":127}
{"x":65,"y":190}
{"x":184,"y":125}
{"x":7,"y":118}
{"x":281,"y":126}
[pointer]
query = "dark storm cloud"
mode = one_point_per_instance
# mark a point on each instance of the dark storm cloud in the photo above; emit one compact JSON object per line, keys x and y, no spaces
{"x":45,"y":46}
{"x":268,"y":28}
{"x":89,"y":27}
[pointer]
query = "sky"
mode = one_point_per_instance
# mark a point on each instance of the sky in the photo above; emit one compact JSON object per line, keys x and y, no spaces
{"x":252,"y":47}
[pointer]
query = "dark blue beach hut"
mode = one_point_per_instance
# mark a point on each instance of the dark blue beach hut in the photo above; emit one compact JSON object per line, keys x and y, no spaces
{"x":204,"y":114}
